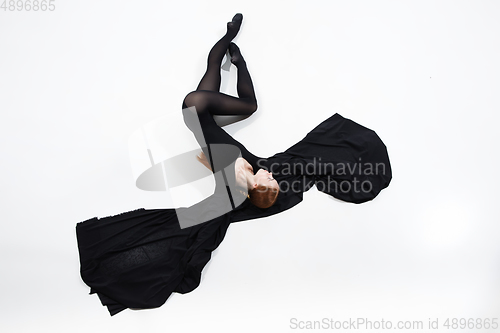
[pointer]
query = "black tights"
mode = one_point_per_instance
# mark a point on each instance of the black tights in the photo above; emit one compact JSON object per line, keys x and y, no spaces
{"x":207,"y":97}
{"x":208,"y":101}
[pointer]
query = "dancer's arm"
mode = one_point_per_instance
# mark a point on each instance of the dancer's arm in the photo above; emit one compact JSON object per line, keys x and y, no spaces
{"x":203,"y":160}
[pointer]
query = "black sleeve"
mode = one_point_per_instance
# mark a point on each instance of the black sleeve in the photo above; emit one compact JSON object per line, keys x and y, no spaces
{"x":206,"y":131}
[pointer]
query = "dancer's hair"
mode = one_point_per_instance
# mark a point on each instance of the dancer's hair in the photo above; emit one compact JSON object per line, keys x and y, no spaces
{"x":263,"y":196}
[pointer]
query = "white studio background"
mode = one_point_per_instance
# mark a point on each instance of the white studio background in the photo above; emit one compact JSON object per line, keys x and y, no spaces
{"x":76,"y":82}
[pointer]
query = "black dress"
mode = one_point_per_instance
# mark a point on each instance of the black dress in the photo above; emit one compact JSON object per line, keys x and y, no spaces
{"x":137,"y":259}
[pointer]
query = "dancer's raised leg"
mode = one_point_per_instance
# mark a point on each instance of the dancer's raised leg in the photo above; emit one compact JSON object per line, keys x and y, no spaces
{"x":207,"y":97}
{"x":244,"y":84}
{"x":211,"y":80}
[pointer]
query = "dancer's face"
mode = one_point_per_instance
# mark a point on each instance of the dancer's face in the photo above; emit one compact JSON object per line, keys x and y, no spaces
{"x":265,"y":178}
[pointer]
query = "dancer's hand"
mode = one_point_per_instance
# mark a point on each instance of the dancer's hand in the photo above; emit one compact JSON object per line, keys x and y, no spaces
{"x":203,"y":160}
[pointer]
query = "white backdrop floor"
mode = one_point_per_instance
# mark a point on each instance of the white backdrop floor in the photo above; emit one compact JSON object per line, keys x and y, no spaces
{"x":77,"y":82}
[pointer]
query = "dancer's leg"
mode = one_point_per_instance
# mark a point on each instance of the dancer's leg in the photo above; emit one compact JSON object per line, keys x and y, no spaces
{"x":217,"y":103}
{"x":207,"y":97}
{"x":244,"y":84}
{"x":208,"y":101}
{"x":211,"y":80}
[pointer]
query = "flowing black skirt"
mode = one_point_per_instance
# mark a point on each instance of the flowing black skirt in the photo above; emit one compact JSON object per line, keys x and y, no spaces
{"x":139,"y":258}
